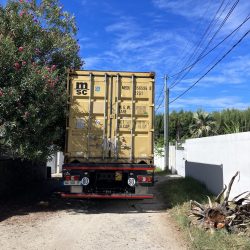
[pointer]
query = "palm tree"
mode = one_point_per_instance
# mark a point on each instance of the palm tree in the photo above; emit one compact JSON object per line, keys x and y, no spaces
{"x":203,"y":125}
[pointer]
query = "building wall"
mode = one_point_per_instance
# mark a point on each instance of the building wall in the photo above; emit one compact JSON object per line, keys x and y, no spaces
{"x":231,"y":151}
{"x":56,"y":162}
{"x":159,"y":159}
{"x":209,"y":174}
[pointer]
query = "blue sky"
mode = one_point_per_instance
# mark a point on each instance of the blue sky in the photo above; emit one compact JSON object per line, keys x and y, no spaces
{"x":159,"y":36}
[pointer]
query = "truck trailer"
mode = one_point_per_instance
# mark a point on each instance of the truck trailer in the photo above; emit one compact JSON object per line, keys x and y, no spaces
{"x":109,"y":135}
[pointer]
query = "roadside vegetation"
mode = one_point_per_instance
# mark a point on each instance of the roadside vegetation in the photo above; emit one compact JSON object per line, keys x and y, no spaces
{"x":187,"y":124}
{"x":37,"y":44}
{"x":177,"y":193}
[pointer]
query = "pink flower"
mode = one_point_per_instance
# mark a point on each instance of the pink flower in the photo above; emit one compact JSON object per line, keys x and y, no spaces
{"x":24,"y":63}
{"x":20,"y":49}
{"x":17,"y":65}
{"x":22,"y":13}
{"x":1,"y":93}
{"x":53,"y":67}
{"x":21,"y":1}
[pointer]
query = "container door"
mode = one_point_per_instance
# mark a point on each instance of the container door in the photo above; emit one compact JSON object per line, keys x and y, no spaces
{"x":88,"y":116}
{"x":133,"y":111}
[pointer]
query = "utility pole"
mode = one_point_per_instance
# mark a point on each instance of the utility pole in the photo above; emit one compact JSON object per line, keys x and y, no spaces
{"x":166,"y":121}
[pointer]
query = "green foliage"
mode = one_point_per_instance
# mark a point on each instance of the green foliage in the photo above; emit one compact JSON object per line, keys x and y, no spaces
{"x":159,"y":146}
{"x":177,"y":193}
{"x":37,"y":45}
{"x":232,"y":121}
{"x":178,"y":125}
{"x":203,"y":125}
{"x":184,"y":124}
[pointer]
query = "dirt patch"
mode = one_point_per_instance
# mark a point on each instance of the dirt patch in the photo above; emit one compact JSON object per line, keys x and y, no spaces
{"x":45,"y":221}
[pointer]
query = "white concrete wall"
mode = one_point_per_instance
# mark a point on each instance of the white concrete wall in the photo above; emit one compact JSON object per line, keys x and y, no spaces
{"x":56,"y":163}
{"x":172,"y":159}
{"x":159,"y":161}
{"x":232,"y":151}
{"x":180,"y":162}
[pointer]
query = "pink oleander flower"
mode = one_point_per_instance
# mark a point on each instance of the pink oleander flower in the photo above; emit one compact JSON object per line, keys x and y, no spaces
{"x":20,"y":49}
{"x":53,"y":67}
{"x":17,"y":65}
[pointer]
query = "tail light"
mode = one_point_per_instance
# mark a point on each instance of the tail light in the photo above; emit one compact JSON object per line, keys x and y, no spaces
{"x":76,"y":178}
{"x":72,"y":177}
{"x":144,"y":179}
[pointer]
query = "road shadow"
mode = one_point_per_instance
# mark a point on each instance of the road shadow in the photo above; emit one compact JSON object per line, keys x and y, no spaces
{"x":45,"y":197}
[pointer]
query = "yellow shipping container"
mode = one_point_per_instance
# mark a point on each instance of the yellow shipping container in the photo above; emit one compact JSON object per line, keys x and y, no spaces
{"x":111,"y":117}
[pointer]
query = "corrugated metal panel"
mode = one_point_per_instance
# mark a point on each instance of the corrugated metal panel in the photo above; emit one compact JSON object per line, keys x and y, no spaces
{"x":110,"y":116}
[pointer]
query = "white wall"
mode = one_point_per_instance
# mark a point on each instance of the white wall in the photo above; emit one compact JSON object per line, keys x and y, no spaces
{"x":180,"y":162}
{"x":232,"y":151}
{"x":159,"y":161}
{"x":56,"y":163}
{"x":172,"y":159}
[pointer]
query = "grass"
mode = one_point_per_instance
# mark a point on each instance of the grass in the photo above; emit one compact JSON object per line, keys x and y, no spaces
{"x":177,"y":193}
{"x":159,"y":171}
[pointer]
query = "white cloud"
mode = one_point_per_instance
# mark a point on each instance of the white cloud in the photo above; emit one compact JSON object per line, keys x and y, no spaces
{"x":193,"y":10}
{"x":140,"y":48}
{"x":84,"y":2}
{"x":232,"y":73}
{"x":92,"y":62}
{"x":187,"y":8}
{"x":211,"y":103}
{"x":86,"y":43}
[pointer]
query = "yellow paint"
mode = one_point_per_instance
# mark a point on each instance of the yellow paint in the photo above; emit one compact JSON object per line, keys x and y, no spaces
{"x":100,"y":126}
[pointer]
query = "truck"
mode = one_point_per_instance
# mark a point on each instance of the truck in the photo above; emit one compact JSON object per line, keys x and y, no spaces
{"x":109,"y":135}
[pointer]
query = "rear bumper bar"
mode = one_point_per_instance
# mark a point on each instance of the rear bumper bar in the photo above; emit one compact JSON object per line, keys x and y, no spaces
{"x":107,"y":196}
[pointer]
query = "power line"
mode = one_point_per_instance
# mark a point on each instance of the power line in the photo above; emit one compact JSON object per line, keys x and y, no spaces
{"x":216,"y":46}
{"x":222,"y":24}
{"x":204,"y":36}
{"x":197,"y":46}
{"x":183,"y":93}
{"x":159,"y":105}
{"x":216,"y":19}
{"x":197,"y":27}
{"x":210,"y":41}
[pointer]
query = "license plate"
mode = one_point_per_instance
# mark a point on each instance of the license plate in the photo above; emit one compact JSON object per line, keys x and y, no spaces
{"x":72,"y":183}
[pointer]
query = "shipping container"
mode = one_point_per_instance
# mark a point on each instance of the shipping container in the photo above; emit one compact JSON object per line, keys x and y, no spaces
{"x":110,"y":122}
